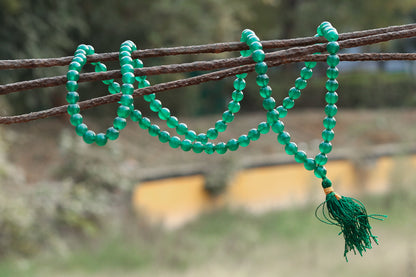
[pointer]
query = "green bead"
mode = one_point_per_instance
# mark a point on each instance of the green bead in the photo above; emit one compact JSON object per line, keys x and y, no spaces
{"x":197,"y":147}
{"x":245,"y":34}
{"x":123,"y":111}
{"x":89,"y":137}
{"x":328,"y":135}
{"x":72,"y":75}
{"x":332,"y":47}
{"x":227,"y":116}
{"x":278,"y":127}
{"x":81,"y":129}
{"x":272,"y":116}
{"x":331,"y":110}
{"x":241,"y":75}
{"x":256,"y":45}
{"x":237,"y":95}
{"x":269,"y":104}
{"x":263,"y":127}
{"x":114,"y":88}
{"x":262,"y":80}
{"x":172,"y":122}
{"x":258,"y":55}
{"x":125,"y":47}
{"x":253,"y":134}
{"x":181,"y":129}
{"x":107,"y":82}
{"x":243,"y":141}
{"x":331,"y":97}
{"x":245,"y":53}
{"x":119,"y":123}
{"x":306,"y":73}
{"x":265,"y":92}
{"x":126,"y":60}
{"x":101,"y":139}
{"x":332,"y":60}
{"x":144,"y":84}
{"x":283,"y":138}
{"x":234,"y":107}
{"x":164,"y":113}
{"x":331,"y":85}
{"x":79,"y":59}
{"x":288,"y":103}
{"x":320,"y":171}
{"x":329,"y":122}
{"x":149,"y":97}
{"x":325,"y":147}
{"x":212,"y":133}
{"x":261,"y":68}
{"x":127,"y":89}
{"x":126,"y":100}
{"x":239,"y":84}
{"x":75,"y":66}
{"x":76,"y":119}
{"x":309,"y":164}
{"x":221,"y":148}
{"x":127,"y":68}
{"x":141,"y":78}
{"x":232,"y":145}
{"x":326,"y":183}
{"x":164,"y":136}
{"x":175,"y":142}
{"x":291,"y":148}
{"x":300,"y":83}
{"x":332,"y":35}
{"x":221,"y":126}
{"x":282,"y":111}
{"x":321,"y":159}
{"x":154,"y":130}
{"x":252,"y":38}
{"x":186,"y":145}
{"x":71,"y":85}
{"x":155,"y":105}
{"x":137,"y":63}
{"x":332,"y":72}
{"x":294,"y":93}
{"x":209,"y":148}
{"x":100,"y":67}
{"x":310,"y":65}
{"x":203,"y":138}
{"x":191,"y":135}
{"x":73,"y":109}
{"x":144,"y":123}
{"x":128,"y":78}
{"x":112,"y":133}
{"x":300,"y":157}
{"x":135,"y":115}
{"x":123,"y":54}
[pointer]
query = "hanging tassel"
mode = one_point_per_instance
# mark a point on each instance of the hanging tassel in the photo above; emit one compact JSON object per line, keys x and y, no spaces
{"x":351,"y":215}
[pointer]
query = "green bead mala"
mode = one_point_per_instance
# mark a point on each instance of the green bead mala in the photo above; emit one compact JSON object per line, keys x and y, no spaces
{"x":347,"y":213}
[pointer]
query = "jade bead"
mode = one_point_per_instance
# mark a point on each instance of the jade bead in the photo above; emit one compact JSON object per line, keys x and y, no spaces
{"x":209,"y":148}
{"x":149,"y":97}
{"x":141,"y":78}
{"x":332,"y":35}
{"x":75,"y":66}
{"x":332,"y":72}
{"x":262,"y":80}
{"x":291,"y":148}
{"x":203,"y":138}
{"x":81,"y":129}
{"x":253,"y":134}
{"x":164,"y":113}
{"x":164,"y":136}
{"x":243,"y":141}
{"x":326,"y":183}
{"x":332,"y":47}
{"x":306,"y":73}
{"x":144,"y":123}
{"x":282,"y":111}
{"x":246,"y":33}
{"x":112,"y":133}
{"x":331,"y":85}
{"x":263,"y":127}
{"x":294,"y":93}
{"x":182,"y":128}
{"x":155,"y":105}
{"x":261,"y":68}
{"x":227,"y":116}
{"x":283,"y":138}
{"x":239,"y":84}
{"x":241,"y":75}
{"x":76,"y":119}
{"x":221,"y":148}
{"x":107,"y":82}
{"x":191,"y":135}
{"x":329,"y":122}
{"x":174,"y":142}
{"x":237,"y":95}
{"x":127,"y":68}
{"x":72,"y":75}
{"x":265,"y":92}
{"x":258,"y":55}
{"x":331,"y":110}
{"x":245,"y":53}
{"x":114,"y":88}
{"x":172,"y":122}
{"x":269,"y":103}
{"x":212,"y":133}
{"x":135,"y":115}
{"x":127,"y":89}
{"x":71,"y":85}
{"x":232,"y":145}
{"x":234,"y":107}
{"x":332,"y":60}
{"x":79,"y":60}
{"x":325,"y":147}
{"x":89,"y":137}
{"x":126,"y":60}
{"x":154,"y":130}
{"x":321,"y":159}
{"x":144,"y":84}
{"x":137,"y":63}
{"x":320,"y":171}
{"x":331,"y":97}
{"x":119,"y":123}
{"x":278,"y":126}
{"x":124,"y":54}
{"x":328,"y":135}
{"x":126,"y":100}
{"x":125,"y":47}
{"x":300,"y":157}
{"x":100,"y":67}
{"x":309,"y":164}
{"x":310,"y":65}
{"x":100,"y":139}
{"x":288,"y":103}
{"x":186,"y":145}
{"x":300,"y":83}
{"x":197,"y":147}
{"x":272,"y":116}
{"x":128,"y":78}
{"x":123,"y":111}
{"x":252,"y":38}
{"x":221,"y":126}
{"x":256,"y":45}
{"x":73,"y":109}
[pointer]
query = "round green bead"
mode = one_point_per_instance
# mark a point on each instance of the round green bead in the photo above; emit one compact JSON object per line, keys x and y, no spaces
{"x":107,"y":82}
{"x":137,"y":63}
{"x":326,"y":183}
{"x":331,"y":110}
{"x":263,"y":127}
{"x":227,"y":116}
{"x":144,"y":84}
{"x":73,"y":109}
{"x":141,"y":79}
{"x":209,"y":148}
{"x":300,"y":83}
{"x":237,"y":95}
{"x":245,"y":53}
{"x":332,"y":60}
{"x":175,"y":142}
{"x":232,"y":145}
{"x":76,"y":119}
{"x":212,"y":133}
{"x":125,"y":47}
{"x":300,"y":157}
{"x":128,"y":78}
{"x":149,"y":97}
{"x":79,"y":60}
{"x":320,"y":171}
{"x":221,"y":148}
{"x":100,"y":67}
{"x":186,"y":145}
{"x":262,"y":80}
{"x":256,"y":45}
{"x":164,"y":136}
{"x":253,"y":134}
{"x":265,"y":92}
{"x":288,"y":103}
{"x":172,"y":122}
{"x":329,"y":122}
{"x":239,"y":84}
{"x":321,"y":159}
{"x":203,"y":138}
{"x":294,"y":93}
{"x":72,"y":75}
{"x":325,"y":147}
{"x":221,"y":126}
{"x":123,"y":111}
{"x":164,"y":113}
{"x":127,"y":68}
{"x":101,"y":139}
{"x":261,"y":68}
{"x":331,"y":85}
{"x":234,"y":107}
{"x":306,"y":73}
{"x":123,"y":54}
{"x":154,"y":130}
{"x":331,"y":97}
{"x":283,"y":138}
{"x":126,"y":60}
{"x":332,"y":35}
{"x":309,"y":164}
{"x":119,"y":123}
{"x":75,"y":66}
{"x":282,"y":111}
{"x":89,"y":137}
{"x":291,"y":148}
{"x":126,"y":100}
{"x":112,"y":133}
{"x":272,"y":116}
{"x":81,"y":129}
{"x":197,"y":147}
{"x":310,"y":65}
{"x":332,"y":47}
{"x":269,"y":103}
{"x":258,"y":55}
{"x":252,"y":38}
{"x":144,"y":123}
{"x":243,"y":141}
{"x":127,"y":89}
{"x":332,"y":72}
{"x":182,"y":128}
{"x":278,"y":126}
{"x":241,"y":75}
{"x":114,"y":88}
{"x":71,"y":85}
{"x":191,"y":135}
{"x":328,"y":135}
{"x":155,"y":105}
{"x":135,"y":115}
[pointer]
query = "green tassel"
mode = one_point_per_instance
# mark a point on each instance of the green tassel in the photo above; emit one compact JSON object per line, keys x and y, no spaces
{"x":351,"y":216}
